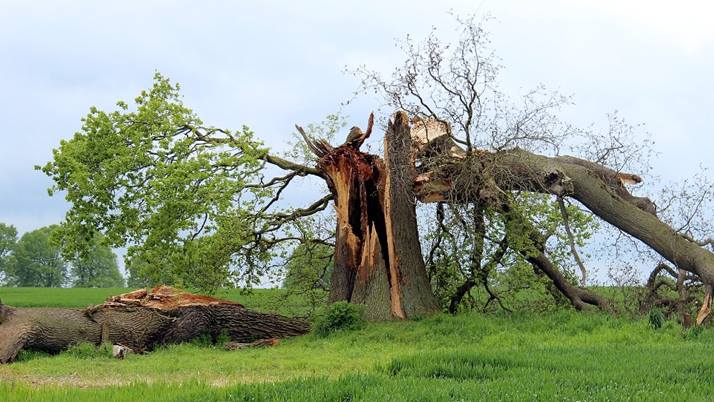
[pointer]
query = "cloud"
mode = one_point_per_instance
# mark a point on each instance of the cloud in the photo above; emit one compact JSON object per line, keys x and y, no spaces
{"x":686,"y":24}
{"x":276,"y":63}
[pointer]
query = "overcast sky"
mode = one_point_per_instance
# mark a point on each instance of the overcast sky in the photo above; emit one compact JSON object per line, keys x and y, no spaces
{"x":277,"y":63}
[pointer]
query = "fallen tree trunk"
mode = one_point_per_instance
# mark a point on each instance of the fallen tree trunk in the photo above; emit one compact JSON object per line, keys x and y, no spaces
{"x":139,"y":320}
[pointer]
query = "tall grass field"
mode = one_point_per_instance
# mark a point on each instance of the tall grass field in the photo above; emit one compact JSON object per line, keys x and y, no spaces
{"x":560,"y":355}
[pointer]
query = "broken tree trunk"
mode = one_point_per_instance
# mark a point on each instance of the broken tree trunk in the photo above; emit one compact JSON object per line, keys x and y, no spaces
{"x":139,"y":320}
{"x":378,"y":258}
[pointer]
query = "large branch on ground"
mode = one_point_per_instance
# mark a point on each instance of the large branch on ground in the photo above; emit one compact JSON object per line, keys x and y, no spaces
{"x":139,"y":320}
{"x":598,"y":188}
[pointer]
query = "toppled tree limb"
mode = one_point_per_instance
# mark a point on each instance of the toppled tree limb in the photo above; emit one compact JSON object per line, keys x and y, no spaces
{"x":578,"y":297}
{"x":598,"y":188}
{"x":139,"y":320}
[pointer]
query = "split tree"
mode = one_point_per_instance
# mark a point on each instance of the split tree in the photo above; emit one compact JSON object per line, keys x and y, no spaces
{"x":202,"y":205}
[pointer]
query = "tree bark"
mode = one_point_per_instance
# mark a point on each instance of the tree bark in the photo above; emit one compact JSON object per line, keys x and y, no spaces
{"x":139,"y":320}
{"x":598,"y":188}
{"x":378,"y":257}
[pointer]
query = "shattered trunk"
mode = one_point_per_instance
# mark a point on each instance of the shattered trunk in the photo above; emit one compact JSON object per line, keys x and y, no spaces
{"x":139,"y":320}
{"x":378,"y":259}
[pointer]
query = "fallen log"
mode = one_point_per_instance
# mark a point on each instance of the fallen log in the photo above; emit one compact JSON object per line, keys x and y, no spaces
{"x":140,"y":321}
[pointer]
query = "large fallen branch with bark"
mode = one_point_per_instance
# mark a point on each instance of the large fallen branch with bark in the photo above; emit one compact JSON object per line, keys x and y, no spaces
{"x":492,"y":174}
{"x":140,"y":320}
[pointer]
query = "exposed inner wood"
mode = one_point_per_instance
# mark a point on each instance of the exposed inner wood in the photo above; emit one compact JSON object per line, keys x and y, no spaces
{"x":377,"y":254}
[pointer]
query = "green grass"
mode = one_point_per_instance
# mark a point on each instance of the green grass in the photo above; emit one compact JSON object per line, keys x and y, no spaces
{"x":562,"y":355}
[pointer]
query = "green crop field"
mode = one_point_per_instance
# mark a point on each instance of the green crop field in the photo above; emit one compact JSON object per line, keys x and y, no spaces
{"x":561,"y":355}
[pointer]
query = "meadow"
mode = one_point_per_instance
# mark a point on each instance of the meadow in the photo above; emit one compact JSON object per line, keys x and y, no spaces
{"x":558,"y":355}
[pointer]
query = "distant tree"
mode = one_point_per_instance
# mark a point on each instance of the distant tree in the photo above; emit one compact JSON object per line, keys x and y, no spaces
{"x":36,"y":261}
{"x":8,"y":238}
{"x":98,"y":268}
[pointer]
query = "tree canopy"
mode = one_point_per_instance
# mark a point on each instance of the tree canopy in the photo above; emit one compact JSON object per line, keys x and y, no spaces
{"x":154,"y":179}
{"x":97,"y":268}
{"x":36,"y":261}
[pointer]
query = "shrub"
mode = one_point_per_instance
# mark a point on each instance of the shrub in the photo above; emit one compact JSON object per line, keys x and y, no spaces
{"x":340,"y":316}
{"x":656,"y":318}
{"x":87,"y":350}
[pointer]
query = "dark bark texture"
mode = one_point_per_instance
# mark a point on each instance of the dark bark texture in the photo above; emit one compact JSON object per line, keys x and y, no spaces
{"x":378,"y":258}
{"x":139,"y":320}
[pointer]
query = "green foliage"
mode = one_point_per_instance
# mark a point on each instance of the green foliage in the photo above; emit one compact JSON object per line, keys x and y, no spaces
{"x":339,"y":316}
{"x":36,"y":260}
{"x":203,"y":340}
{"x":154,"y":179}
{"x":309,"y":267}
{"x":222,"y":338}
{"x":656,"y":318}
{"x":97,"y":268}
{"x":693,"y":332}
{"x":8,"y":239}
{"x":461,"y":250}
{"x":207,"y":340}
{"x":86,"y":350}
{"x":27,"y":355}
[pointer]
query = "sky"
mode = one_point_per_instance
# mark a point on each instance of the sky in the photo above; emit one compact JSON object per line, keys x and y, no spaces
{"x":272,"y":64}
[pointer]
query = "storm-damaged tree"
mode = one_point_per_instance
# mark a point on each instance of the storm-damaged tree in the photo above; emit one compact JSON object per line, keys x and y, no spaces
{"x":201,"y":205}
{"x":477,"y":150}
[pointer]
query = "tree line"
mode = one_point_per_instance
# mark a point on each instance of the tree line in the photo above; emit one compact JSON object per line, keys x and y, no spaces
{"x":37,"y":259}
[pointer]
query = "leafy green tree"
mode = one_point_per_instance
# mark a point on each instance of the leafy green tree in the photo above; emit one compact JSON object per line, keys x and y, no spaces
{"x":37,"y":261}
{"x":8,"y":238}
{"x":98,"y":268}
{"x":190,"y":202}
